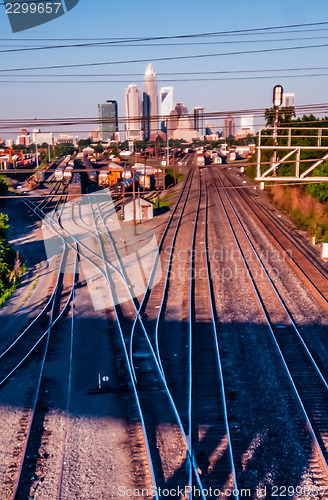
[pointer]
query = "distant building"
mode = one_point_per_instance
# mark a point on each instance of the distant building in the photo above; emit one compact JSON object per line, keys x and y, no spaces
{"x":199,"y":124}
{"x":181,"y":125}
{"x":66,"y":139}
{"x":94,"y":135}
{"x":165,"y":105}
{"x":9,"y":143}
{"x":246,"y":126}
{"x":133,"y":113}
{"x":229,"y":126}
{"x":288,"y":100}
{"x":108,"y":120}
{"x":150,"y":104}
{"x":23,"y":140}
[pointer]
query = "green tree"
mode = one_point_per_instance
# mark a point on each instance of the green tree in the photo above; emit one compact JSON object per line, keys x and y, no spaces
{"x":320,"y":190}
{"x":3,"y":186}
{"x":285,"y":115}
{"x":84,"y":143}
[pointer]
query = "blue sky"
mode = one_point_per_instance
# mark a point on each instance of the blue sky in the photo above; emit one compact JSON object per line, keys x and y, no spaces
{"x":105,"y":18}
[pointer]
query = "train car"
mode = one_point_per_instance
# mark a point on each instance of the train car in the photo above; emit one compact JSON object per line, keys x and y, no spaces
{"x":59,"y":173}
{"x":92,"y":174}
{"x":200,"y":160}
{"x":147,"y":182}
{"x":74,"y":188}
{"x":109,"y":176}
{"x":67,"y":176}
{"x":117,"y":189}
{"x":160,"y":180}
{"x":127,"y":174}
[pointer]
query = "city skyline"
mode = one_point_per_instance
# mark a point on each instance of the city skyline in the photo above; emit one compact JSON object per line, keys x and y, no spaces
{"x":77,"y":93}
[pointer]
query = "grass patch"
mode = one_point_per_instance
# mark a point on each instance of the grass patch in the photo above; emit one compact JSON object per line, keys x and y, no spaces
{"x":308,"y":213}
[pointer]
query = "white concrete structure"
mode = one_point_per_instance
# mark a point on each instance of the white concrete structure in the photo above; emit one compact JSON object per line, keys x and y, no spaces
{"x":133,"y":113}
{"x":144,"y":210}
{"x":288,"y":100}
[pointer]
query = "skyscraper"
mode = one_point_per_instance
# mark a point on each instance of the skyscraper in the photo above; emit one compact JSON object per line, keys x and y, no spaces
{"x":288,"y":100}
{"x":229,"y":126}
{"x":150,"y":103}
{"x":165,"y":104}
{"x":133,"y":113}
{"x":199,"y":124}
{"x":108,"y":120}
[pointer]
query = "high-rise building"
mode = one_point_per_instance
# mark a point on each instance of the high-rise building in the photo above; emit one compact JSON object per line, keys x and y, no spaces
{"x":229,"y":126}
{"x":165,"y":104}
{"x":246,"y":126}
{"x":133,"y":113}
{"x":288,"y":100}
{"x":181,"y":124}
{"x":150,"y":104}
{"x":108,"y":120}
{"x":199,"y":124}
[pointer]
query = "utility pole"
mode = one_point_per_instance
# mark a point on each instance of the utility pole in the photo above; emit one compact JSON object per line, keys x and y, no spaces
{"x":124,"y":179}
{"x":134,"y":202}
{"x":36,"y":156}
{"x":278,"y":93}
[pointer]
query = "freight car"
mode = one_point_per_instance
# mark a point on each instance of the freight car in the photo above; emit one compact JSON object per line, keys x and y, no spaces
{"x":59,"y":173}
{"x":92,"y":174}
{"x":160,"y":180}
{"x":147,"y":182}
{"x":74,"y":188}
{"x":67,"y":176}
{"x":109,"y":176}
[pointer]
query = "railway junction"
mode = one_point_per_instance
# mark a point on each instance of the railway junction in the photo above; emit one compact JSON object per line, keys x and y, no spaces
{"x":186,"y":358}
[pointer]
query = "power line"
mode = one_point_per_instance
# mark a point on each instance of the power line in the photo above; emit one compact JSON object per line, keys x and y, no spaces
{"x":166,"y":80}
{"x":132,"y":43}
{"x":170,"y":58}
{"x":175,"y":73}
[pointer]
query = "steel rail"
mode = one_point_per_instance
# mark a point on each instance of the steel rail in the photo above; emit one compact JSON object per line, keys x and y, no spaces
{"x":135,"y":391}
{"x":269,"y":325}
{"x":69,"y":391}
{"x":190,"y":328}
{"x":282,"y":303}
{"x":167,"y":277}
{"x":163,"y":379}
{"x":216,"y":345}
{"x":285,"y":234}
{"x":52,"y":322}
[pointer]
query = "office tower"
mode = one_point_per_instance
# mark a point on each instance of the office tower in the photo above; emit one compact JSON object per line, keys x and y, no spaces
{"x":247,"y":122}
{"x":150,"y":103}
{"x":133,"y":113}
{"x":165,"y":105}
{"x":108,"y":120}
{"x":229,"y":126}
{"x":199,"y":124}
{"x":246,"y":126}
{"x":288,"y":100}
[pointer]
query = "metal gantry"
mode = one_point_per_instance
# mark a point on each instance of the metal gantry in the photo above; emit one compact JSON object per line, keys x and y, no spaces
{"x":290,"y":143}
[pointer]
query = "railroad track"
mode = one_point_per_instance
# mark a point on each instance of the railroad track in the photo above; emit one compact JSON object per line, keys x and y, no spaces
{"x":149,"y":378}
{"x":34,"y":342}
{"x":306,"y":381}
{"x":306,"y":266}
{"x":208,"y":417}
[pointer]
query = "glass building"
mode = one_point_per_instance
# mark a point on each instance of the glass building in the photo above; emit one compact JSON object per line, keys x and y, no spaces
{"x":199,"y":124}
{"x":108,"y":120}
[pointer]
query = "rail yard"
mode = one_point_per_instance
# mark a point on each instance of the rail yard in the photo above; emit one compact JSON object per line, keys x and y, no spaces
{"x":184,"y":356}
